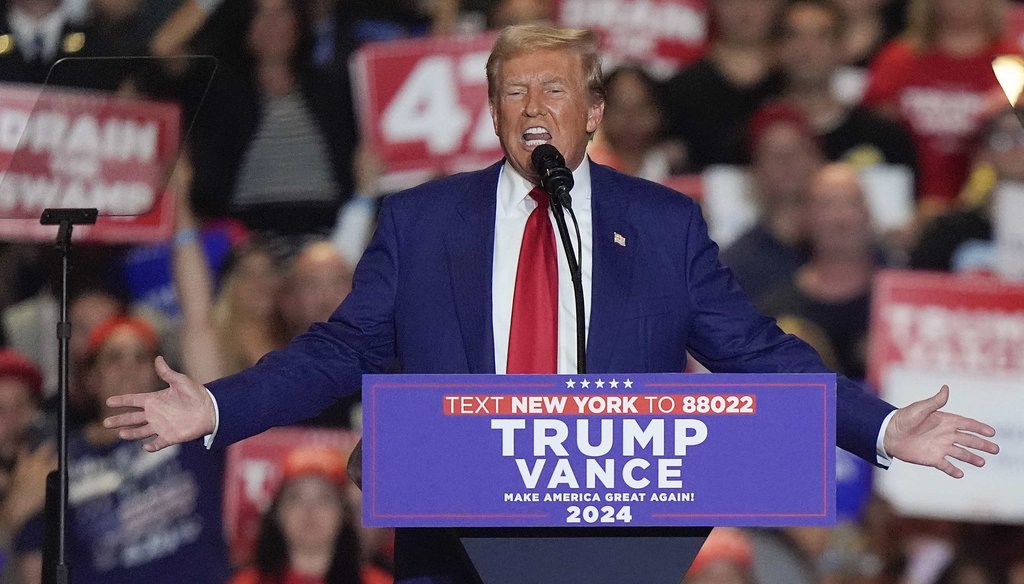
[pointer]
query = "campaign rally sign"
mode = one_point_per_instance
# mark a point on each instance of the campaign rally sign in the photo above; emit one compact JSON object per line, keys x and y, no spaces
{"x":422,"y":104}
{"x":598,"y":450}
{"x":967,"y":332}
{"x":66,"y":148}
{"x":664,"y":35}
{"x":253,"y":475}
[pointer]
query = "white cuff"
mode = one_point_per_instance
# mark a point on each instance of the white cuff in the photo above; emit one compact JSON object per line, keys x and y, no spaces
{"x":884,"y":460}
{"x":208,"y":439}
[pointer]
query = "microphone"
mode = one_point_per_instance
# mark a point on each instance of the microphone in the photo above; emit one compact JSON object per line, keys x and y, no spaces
{"x":554,"y":176}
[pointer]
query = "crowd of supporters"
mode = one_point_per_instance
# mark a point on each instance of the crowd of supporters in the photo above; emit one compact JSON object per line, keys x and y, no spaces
{"x":789,"y":107}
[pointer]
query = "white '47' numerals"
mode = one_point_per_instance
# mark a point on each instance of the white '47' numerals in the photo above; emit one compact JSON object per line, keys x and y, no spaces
{"x":427,"y":106}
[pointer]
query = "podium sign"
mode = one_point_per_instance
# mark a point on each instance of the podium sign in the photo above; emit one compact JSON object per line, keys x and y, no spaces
{"x":598,"y":450}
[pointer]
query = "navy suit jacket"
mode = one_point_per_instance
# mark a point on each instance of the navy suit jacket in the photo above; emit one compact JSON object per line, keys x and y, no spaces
{"x":421,"y":303}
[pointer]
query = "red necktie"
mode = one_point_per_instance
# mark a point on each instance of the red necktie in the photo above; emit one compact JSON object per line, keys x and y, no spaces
{"x":533,"y":338}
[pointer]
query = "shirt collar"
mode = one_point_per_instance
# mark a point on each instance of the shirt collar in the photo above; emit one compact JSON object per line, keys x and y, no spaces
{"x":513,"y":189}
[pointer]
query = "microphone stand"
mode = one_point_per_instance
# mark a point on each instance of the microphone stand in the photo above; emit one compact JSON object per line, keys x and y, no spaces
{"x":55,"y":567}
{"x":575,"y":271}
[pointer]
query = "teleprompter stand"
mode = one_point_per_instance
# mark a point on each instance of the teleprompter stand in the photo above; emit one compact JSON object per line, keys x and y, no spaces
{"x":55,"y":566}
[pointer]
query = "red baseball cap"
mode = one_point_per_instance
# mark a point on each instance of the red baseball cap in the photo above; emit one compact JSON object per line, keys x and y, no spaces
{"x":140,"y":327}
{"x":14,"y":364}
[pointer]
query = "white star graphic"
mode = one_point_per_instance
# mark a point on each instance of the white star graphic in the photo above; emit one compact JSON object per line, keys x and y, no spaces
{"x":570,"y":384}
{"x":628,"y":384}
{"x":599,"y":383}
{"x":614,"y":383}
{"x":585,"y":384}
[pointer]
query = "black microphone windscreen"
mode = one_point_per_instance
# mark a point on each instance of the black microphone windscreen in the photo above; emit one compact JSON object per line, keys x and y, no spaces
{"x":546,"y":156}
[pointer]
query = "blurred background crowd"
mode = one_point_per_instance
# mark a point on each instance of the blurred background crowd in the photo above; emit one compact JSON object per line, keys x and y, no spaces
{"x":792,"y":107}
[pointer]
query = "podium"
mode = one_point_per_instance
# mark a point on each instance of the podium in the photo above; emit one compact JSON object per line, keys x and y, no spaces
{"x":596,"y":477}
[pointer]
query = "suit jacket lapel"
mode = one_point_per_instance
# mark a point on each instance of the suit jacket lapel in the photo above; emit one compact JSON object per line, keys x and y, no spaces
{"x":612,"y":267}
{"x":470,"y":252}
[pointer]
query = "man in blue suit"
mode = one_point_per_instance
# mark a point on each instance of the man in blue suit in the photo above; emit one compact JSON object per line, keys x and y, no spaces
{"x":433,"y":294}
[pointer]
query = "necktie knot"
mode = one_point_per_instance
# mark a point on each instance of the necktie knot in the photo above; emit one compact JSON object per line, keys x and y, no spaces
{"x":540,"y":195}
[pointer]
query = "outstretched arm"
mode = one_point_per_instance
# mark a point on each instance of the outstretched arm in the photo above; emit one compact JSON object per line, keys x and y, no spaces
{"x":921,"y":434}
{"x":181,"y":412}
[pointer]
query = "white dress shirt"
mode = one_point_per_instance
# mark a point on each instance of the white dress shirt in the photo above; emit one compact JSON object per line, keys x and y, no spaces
{"x":513,"y":209}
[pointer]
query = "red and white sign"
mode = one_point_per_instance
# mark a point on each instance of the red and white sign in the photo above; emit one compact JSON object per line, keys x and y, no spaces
{"x":423,"y":105}
{"x":967,"y":332}
{"x":664,"y":35}
{"x":64,"y":148}
{"x":253,"y":475}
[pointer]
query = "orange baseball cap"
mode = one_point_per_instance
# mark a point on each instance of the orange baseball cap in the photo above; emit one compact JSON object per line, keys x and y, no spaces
{"x":315,"y":460}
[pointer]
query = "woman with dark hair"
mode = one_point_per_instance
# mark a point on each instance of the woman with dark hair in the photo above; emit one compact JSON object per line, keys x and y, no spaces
{"x":308,"y":536}
{"x":273,"y":140}
{"x":631,"y":137}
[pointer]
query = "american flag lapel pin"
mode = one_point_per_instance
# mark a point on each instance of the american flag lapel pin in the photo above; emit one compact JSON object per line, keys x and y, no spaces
{"x":619,"y":238}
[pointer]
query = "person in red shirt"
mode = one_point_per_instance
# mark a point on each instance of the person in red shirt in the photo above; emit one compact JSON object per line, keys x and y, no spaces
{"x":937,"y":79}
{"x":308,"y":535}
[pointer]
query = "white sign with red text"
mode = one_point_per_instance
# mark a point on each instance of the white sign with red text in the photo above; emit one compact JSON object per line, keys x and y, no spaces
{"x":422,"y":104}
{"x":967,"y":332}
{"x":64,"y":148}
{"x":663,"y":35}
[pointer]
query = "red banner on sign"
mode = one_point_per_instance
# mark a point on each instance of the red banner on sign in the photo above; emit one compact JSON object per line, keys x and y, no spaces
{"x":946,"y":323}
{"x":423,"y":105}
{"x":64,"y":148}
{"x":665,"y":35}
{"x":253,"y":475}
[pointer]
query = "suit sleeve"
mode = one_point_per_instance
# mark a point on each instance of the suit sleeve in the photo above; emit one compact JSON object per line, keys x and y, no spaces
{"x":326,"y":362}
{"x":728,"y":335}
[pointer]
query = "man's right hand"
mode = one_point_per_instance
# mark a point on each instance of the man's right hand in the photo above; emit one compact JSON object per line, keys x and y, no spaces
{"x":179,"y":413}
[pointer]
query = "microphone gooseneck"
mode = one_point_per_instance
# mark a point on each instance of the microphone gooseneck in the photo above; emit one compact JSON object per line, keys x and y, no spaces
{"x":554,"y":176}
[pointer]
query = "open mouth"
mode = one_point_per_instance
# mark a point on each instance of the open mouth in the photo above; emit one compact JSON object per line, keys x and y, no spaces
{"x":536,"y":135}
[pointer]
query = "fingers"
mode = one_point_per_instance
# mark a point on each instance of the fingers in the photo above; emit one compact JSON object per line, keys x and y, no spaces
{"x":974,"y":426}
{"x":165,"y":372}
{"x":155,"y":444}
{"x":138,"y":433}
{"x":948,"y":468}
{"x":125,"y":420}
{"x":977,"y":443}
{"x":130,"y":400}
{"x":967,"y":456}
{"x":939,"y":400}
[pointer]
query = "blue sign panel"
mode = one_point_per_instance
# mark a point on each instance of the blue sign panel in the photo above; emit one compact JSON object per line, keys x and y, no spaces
{"x":598,"y":450}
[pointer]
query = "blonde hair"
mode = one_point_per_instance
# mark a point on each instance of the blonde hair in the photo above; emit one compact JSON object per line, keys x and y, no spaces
{"x":922,"y":22}
{"x":516,"y":40}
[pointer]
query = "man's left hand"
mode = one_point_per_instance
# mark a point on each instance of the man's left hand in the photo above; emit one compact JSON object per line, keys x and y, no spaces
{"x":921,"y":434}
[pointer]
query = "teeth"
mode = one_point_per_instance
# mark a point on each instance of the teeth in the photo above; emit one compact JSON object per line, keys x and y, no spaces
{"x":534,"y":132}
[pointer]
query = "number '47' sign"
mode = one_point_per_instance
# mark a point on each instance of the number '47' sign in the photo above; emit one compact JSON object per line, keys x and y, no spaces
{"x":422,"y":104}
